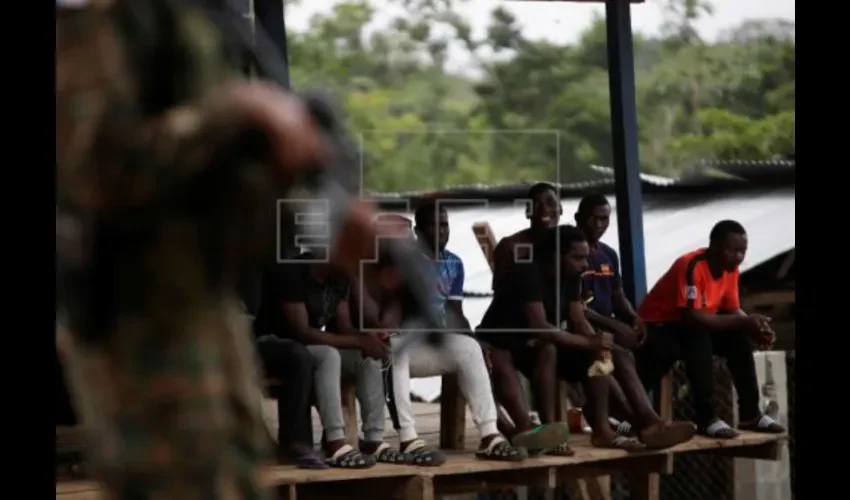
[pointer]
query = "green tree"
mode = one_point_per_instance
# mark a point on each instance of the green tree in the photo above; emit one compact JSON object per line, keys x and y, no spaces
{"x":529,"y":110}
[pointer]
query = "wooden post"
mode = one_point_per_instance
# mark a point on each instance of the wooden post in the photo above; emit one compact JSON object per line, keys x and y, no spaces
{"x":349,"y":404}
{"x":452,"y":414}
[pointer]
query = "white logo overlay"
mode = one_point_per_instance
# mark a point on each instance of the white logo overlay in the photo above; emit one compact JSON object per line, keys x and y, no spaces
{"x":305,"y":224}
{"x":691,"y":292}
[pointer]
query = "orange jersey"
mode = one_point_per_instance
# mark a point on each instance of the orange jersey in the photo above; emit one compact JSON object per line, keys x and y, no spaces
{"x":688,"y":284}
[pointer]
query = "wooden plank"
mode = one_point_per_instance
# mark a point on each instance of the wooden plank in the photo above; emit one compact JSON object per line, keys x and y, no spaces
{"x":768,"y":298}
{"x":771,"y":450}
{"x":462,"y":472}
{"x":787,"y":262}
{"x":452,"y":414}
{"x":398,"y":488}
{"x":486,"y":240}
{"x":479,"y":482}
{"x":349,"y":407}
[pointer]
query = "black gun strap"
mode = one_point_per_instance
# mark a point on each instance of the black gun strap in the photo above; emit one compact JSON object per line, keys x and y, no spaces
{"x":389,"y":394}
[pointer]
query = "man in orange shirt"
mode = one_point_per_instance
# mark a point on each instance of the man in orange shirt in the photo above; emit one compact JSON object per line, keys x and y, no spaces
{"x":693,"y":313}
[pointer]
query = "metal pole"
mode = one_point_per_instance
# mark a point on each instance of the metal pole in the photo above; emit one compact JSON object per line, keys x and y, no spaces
{"x":269,"y":14}
{"x":624,"y":138}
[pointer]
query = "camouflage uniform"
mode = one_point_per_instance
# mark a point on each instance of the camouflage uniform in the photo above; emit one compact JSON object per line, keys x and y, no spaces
{"x":151,"y":233}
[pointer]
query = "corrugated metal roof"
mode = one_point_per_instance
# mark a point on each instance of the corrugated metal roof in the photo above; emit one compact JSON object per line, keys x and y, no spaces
{"x":655,"y":180}
{"x":715,"y":176}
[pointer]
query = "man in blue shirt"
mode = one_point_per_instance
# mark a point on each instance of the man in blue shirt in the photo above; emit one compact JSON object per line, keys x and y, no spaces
{"x":608,"y":308}
{"x":432,"y":232}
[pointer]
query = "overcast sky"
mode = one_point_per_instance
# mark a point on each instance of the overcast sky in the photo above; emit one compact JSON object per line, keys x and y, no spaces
{"x":564,"y":21}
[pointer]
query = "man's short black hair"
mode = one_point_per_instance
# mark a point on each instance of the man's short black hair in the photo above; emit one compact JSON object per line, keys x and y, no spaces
{"x":426,"y":213}
{"x":723,"y":229}
{"x":540,"y":188}
{"x":591,"y":201}
{"x":564,"y":235}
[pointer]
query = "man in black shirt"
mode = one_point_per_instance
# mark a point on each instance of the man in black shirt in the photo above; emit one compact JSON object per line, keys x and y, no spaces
{"x":290,"y":365}
{"x":304,"y":301}
{"x":520,"y":326}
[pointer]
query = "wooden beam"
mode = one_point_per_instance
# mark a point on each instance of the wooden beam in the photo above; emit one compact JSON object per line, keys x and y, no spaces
{"x":769,"y":298}
{"x":771,"y":450}
{"x":395,"y":488}
{"x":495,"y":481}
{"x":786,"y":265}
{"x":486,"y":240}
{"x":452,"y":414}
{"x":464,"y":473}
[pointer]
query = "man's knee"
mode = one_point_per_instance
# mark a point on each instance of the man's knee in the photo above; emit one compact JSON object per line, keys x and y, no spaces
{"x":325,"y":357}
{"x":501,"y":359}
{"x":371,"y":364}
{"x":463,"y":345}
{"x":622,"y":356}
{"x":305,"y":363}
{"x":547,"y":354}
{"x":733,"y":344}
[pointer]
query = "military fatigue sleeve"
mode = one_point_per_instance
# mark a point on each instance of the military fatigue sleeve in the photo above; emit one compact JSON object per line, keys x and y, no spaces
{"x":124,"y":130}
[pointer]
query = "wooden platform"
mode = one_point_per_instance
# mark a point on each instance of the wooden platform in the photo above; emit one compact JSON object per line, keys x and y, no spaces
{"x":465,"y":474}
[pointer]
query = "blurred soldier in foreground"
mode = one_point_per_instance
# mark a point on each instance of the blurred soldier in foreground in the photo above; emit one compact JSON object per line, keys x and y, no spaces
{"x":168,"y":168}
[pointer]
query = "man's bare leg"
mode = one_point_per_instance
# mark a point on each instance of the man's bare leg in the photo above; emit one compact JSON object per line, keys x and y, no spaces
{"x":508,"y":390}
{"x":544,"y":382}
{"x":597,"y":393}
{"x":618,"y":404}
{"x":510,"y":395}
{"x":651,"y":428}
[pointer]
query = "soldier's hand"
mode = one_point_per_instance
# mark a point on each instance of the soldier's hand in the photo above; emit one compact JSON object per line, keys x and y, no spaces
{"x":295,"y":139}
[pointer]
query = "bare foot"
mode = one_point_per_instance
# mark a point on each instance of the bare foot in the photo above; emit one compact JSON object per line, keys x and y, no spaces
{"x":609,"y":440}
{"x":666,"y":434}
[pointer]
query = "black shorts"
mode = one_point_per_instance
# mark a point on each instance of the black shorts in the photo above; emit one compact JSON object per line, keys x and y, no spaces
{"x":572,"y":364}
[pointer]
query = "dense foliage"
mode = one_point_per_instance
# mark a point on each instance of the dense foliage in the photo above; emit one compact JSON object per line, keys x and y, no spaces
{"x":535,"y":110}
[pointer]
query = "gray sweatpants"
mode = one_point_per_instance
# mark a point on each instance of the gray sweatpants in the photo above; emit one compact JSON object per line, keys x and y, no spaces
{"x":331,"y":365}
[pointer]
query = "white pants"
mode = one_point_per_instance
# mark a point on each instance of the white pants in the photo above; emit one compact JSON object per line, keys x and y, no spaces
{"x":331,"y":365}
{"x":458,"y":354}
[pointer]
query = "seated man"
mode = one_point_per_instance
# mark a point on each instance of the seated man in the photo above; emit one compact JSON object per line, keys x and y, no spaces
{"x":457,"y":353}
{"x":693,"y":313}
{"x":291,"y":366}
{"x":544,"y":211}
{"x":519,"y":325}
{"x":300,"y":302}
{"x":608,"y":308}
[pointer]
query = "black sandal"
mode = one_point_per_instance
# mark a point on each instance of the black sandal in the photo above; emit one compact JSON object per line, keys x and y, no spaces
{"x":500,"y":450}
{"x":349,"y":458}
{"x":764,"y":425}
{"x":422,"y":456}
{"x":385,"y":454}
{"x":719,"y":430}
{"x":310,"y":461}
